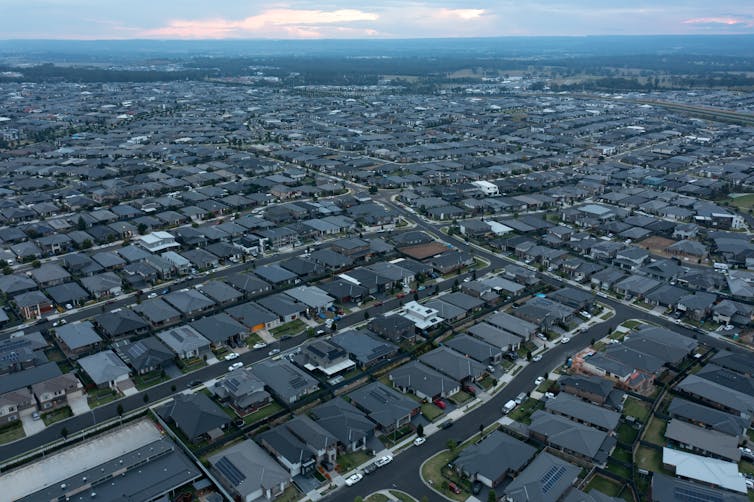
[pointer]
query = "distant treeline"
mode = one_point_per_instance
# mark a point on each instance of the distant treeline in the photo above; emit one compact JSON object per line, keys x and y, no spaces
{"x":50,"y":73}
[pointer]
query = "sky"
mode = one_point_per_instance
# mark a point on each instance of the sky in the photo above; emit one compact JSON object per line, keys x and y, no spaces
{"x":302,"y":19}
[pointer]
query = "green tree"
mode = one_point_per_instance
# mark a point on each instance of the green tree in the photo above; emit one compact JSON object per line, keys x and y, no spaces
{"x":142,"y":228}
{"x":146,"y":397}
{"x":119,"y":410}
{"x":36,"y":264}
{"x":491,"y":496}
{"x":366,"y":315}
{"x":81,"y":223}
{"x":373,"y":190}
{"x":64,"y":433}
{"x":528,"y":355}
{"x":420,"y":430}
{"x":452,"y":445}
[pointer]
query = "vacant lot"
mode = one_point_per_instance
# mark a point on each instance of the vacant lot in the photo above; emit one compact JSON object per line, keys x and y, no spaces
{"x":743,"y":202}
{"x":656,"y":245}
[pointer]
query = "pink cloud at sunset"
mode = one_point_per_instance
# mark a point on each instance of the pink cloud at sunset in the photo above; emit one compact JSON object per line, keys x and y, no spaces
{"x":269,"y":23}
{"x":728,"y":21}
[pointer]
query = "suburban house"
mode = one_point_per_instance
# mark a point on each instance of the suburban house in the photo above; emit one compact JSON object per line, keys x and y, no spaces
{"x":248,"y":472}
{"x":196,"y":416}
{"x":300,"y":445}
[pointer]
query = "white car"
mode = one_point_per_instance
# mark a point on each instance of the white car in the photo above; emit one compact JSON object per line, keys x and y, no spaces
{"x":231,"y":356}
{"x":259,"y":345}
{"x":152,"y":295}
{"x":383,"y":461}
{"x":729,"y":327}
{"x":565,"y":339}
{"x":420,"y":441}
{"x":235,"y":366}
{"x":539,"y":381}
{"x":273,"y":352}
{"x":536,"y":358}
{"x":354,"y":478}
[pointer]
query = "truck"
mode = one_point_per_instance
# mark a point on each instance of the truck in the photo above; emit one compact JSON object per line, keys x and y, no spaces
{"x":509,"y":406}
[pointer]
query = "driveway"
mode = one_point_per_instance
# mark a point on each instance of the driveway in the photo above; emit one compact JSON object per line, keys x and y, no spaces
{"x":79,"y":404}
{"x":32,"y":426}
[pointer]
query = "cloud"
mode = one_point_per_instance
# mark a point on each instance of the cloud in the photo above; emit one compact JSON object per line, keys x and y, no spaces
{"x":723,"y":20}
{"x":464,"y":14}
{"x":295,"y":23}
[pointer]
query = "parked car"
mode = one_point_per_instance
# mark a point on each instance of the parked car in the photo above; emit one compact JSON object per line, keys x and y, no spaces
{"x":230,"y":356}
{"x":383,"y":461}
{"x":273,"y":352}
{"x":36,"y":416}
{"x":539,"y":381}
{"x":447,"y":424}
{"x":439,"y":403}
{"x":420,"y":441}
{"x":259,"y":345}
{"x":536,"y":358}
{"x":370,"y":468}
{"x":565,"y":339}
{"x":469,"y":389}
{"x":235,"y":366}
{"x":520,"y":398}
{"x":152,"y":295}
{"x":454,"y":488}
{"x":354,"y":478}
{"x":476,"y":487}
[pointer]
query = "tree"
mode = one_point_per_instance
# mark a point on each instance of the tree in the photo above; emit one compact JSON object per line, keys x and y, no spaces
{"x":64,"y":433}
{"x":333,"y":328}
{"x":452,"y":445}
{"x":36,"y":264}
{"x":81,"y":223}
{"x":120,"y":410}
{"x":142,"y":228}
{"x":420,"y":430}
{"x":373,"y":190}
{"x":491,"y":496}
{"x":146,"y":398}
{"x":366,"y":315}
{"x":528,"y":355}
{"x":358,"y":499}
{"x":481,"y":429}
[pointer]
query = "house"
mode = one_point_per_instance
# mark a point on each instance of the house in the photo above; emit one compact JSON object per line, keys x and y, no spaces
{"x":582,"y":412}
{"x":248,"y":472}
{"x":547,"y":477}
{"x":284,"y":380}
{"x":300,"y":445}
{"x":196,"y":416}
{"x":220,"y":293}
{"x":276,"y":275}
{"x":12,"y":284}
{"x":103,"y":285}
{"x":572,"y":437}
{"x":242,"y":390}
{"x":631,"y":258}
{"x":253,"y":316}
{"x":283,"y":306}
{"x":105,"y":369}
{"x":697,"y":305}
{"x":185,"y":342}
{"x":57,"y":391}
{"x":635,"y":286}
{"x":593,"y":389}
{"x":32,"y":305}
{"x":545,"y":312}
{"x":483,"y":461}
{"x":476,"y":349}
{"x":732,"y":312}
{"x":315,"y":299}
{"x":157,"y":241}
{"x":145,"y":355}
{"x":69,"y":293}
{"x":709,"y":471}
{"x":49,"y":274}
{"x":158,"y":312}
{"x":388,"y":408}
{"x":512,"y":324}
{"x":248,"y":284}
{"x":423,"y":381}
{"x":501,"y":339}
{"x":364,"y":346}
{"x":221,"y":330}
{"x":607,"y":279}
{"x":121,"y":323}
{"x":22,"y":350}
{"x":716,"y":395}
{"x":709,"y":443}
{"x":77,"y":338}
{"x":189,"y":302}
{"x":351,"y":427}
{"x":16,"y":397}
{"x":395,"y":328}
{"x":670,"y":489}
{"x":424,"y":318}
{"x":325,"y":357}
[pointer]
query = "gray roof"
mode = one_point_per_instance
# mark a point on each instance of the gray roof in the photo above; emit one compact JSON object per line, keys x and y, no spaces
{"x":717,"y":393}
{"x":156,"y":310}
{"x":713,"y":442}
{"x":188,"y":300}
{"x":485,"y":458}
{"x":284,"y":379}
{"x":247,"y":468}
{"x":495,"y":336}
{"x":422,"y":379}
{"x":672,"y":489}
{"x":364,"y":345}
{"x":220,"y":292}
{"x":726,"y":423}
{"x":146,"y":353}
{"x":77,"y":335}
{"x":183,"y":339}
{"x":545,"y":479}
{"x":452,"y":363}
{"x":474,"y":348}
{"x":740,"y":362}
{"x":104,"y":367}
{"x":28,"y":377}
{"x":383,"y":404}
{"x":567,"y":434}
{"x":194,"y":414}
{"x":250,"y":314}
{"x":218,"y":328}
{"x":571,"y":406}
{"x":343,"y":420}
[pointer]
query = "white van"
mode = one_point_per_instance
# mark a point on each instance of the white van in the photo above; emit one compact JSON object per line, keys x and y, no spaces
{"x":509,"y":406}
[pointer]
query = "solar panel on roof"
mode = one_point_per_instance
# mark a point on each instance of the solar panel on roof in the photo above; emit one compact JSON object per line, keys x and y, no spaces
{"x":552,"y":477}
{"x":688,"y":495}
{"x":230,"y":471}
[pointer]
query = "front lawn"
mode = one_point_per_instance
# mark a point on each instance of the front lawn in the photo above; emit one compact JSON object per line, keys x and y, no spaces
{"x":432,"y":474}
{"x":99,"y":397}
{"x":12,"y":432}
{"x":289,"y":329}
{"x":57,"y":415}
{"x":352,"y":460}
{"x":431,"y":412}
{"x":523,"y":411}
{"x":460,"y":397}
{"x":150,"y":379}
{"x":193,"y":364}
{"x":637,"y":409}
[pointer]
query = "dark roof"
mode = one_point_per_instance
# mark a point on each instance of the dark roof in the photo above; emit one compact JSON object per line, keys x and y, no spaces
{"x":194,"y":414}
{"x":485,"y":457}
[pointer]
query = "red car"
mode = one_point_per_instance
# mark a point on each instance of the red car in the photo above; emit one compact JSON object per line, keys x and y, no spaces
{"x":454,"y":488}
{"x":439,"y":403}
{"x":400,"y":295}
{"x":471,"y":390}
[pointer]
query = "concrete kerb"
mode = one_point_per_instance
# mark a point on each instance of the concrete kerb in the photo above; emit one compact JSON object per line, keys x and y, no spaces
{"x":430,"y":485}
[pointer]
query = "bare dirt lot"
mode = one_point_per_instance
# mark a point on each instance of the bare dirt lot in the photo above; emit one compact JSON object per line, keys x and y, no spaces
{"x":656,"y":245}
